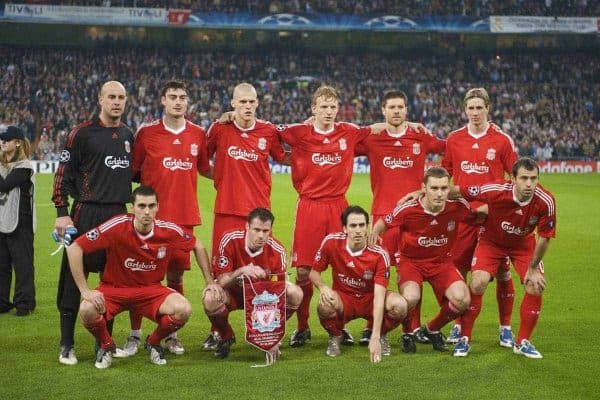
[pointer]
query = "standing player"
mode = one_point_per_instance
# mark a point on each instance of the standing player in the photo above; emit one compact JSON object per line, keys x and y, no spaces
{"x":516,"y":209}
{"x":252,"y":252}
{"x":95,"y":171}
{"x":397,"y":158}
{"x":138,"y":248}
{"x":322,"y":165}
{"x":167,"y":156}
{"x":476,"y":154}
{"x":426,"y":233}
{"x":360,"y":275}
{"x":242,"y":176}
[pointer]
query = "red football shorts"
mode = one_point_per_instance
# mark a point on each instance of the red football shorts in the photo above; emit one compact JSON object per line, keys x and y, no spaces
{"x":315,"y":219}
{"x":180,"y":260}
{"x":439,"y":275}
{"x":490,"y":257}
{"x":142,"y":301}
{"x":356,"y":307}
{"x":225,"y":223}
{"x":390,"y":240}
{"x":464,"y":246}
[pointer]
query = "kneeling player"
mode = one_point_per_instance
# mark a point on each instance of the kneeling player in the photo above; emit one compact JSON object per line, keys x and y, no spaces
{"x":360,"y":276}
{"x":516,"y":210}
{"x":252,"y":252}
{"x":138,"y":248}
{"x":427,"y":233}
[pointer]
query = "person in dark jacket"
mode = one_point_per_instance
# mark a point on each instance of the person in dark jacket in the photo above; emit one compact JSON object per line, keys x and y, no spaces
{"x":17,"y":222}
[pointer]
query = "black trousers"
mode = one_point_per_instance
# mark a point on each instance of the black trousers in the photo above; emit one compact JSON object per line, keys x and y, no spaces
{"x":85,"y":217}
{"x":16,"y":251}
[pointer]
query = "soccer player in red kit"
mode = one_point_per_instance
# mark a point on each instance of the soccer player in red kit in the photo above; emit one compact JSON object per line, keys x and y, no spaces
{"x":252,"y":252}
{"x":426,"y":233}
{"x":360,"y":276}
{"x":138,"y":248}
{"x":322,"y":164}
{"x":479,"y":153}
{"x":168,"y":154}
{"x":516,"y":209}
{"x":397,"y":159}
{"x":242,"y":176}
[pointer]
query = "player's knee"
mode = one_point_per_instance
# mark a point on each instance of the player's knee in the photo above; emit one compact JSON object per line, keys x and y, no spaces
{"x":182,"y":309}
{"x":294,"y":295}
{"x":533,"y":290}
{"x":461,"y":303}
{"x":411,"y":298}
{"x":325,"y":311}
{"x":479,"y":284}
{"x":397,"y":307}
{"x":87,"y":311}
{"x":210,"y":301}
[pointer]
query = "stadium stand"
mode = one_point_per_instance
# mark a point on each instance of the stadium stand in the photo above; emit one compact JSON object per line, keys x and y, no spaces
{"x":539,"y":100}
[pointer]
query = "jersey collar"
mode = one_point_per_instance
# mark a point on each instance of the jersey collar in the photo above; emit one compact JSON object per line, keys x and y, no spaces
{"x":521,"y":203}
{"x":245,"y":129}
{"x":430,"y":212}
{"x":478,"y":135}
{"x":248,"y":251}
{"x":354,"y":253}
{"x":174,"y":131}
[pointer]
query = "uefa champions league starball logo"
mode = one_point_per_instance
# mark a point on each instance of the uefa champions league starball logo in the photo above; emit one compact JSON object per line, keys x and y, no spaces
{"x":392,"y":22}
{"x":284,"y":20}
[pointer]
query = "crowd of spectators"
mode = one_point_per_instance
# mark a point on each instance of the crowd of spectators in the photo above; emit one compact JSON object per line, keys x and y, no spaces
{"x":406,"y":8}
{"x":550,"y":104}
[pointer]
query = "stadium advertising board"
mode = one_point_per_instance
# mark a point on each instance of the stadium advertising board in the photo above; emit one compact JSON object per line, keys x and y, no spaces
{"x":361,"y":166}
{"x":74,"y":14}
{"x":518,"y":24}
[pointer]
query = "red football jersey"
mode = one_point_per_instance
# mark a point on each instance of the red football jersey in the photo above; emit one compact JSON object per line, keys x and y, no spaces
{"x":353,"y":273}
{"x":169,"y":162}
{"x":322,"y":162}
{"x":133,"y":259}
{"x":509,"y":221}
{"x":478,"y":159}
{"x":397,"y":165}
{"x":241,"y":167}
{"x":234,"y":254}
{"x":425,"y":236}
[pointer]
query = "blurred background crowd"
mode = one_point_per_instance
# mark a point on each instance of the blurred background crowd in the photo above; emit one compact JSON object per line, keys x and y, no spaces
{"x":549,"y":105}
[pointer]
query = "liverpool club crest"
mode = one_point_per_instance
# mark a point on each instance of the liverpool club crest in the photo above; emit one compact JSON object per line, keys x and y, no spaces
{"x":416,"y":148}
{"x":266,"y":316}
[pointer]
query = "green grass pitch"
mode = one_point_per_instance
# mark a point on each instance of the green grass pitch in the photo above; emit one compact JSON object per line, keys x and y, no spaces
{"x":566,"y":333}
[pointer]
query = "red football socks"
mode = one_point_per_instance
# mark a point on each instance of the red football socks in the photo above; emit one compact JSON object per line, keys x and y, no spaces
{"x":530,"y":312}
{"x":100,"y":332}
{"x":303,"y":310}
